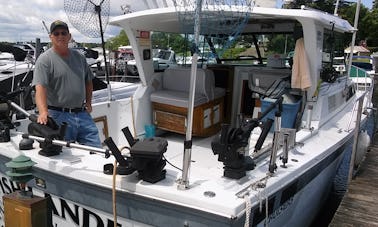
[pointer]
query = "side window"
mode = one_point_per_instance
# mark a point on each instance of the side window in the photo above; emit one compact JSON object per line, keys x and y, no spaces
{"x":333,"y":52}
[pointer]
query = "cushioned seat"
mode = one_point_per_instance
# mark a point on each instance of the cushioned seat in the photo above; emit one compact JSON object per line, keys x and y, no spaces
{"x":181,"y":99}
{"x":171,"y":101}
{"x":177,"y":98}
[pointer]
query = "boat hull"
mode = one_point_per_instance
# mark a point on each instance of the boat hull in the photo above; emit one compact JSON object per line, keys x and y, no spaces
{"x":78,"y":202}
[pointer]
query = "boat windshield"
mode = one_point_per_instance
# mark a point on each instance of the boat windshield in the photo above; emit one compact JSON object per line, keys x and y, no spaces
{"x":247,"y":49}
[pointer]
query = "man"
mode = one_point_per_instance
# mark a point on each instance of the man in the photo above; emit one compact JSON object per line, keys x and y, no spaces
{"x":63,"y":84}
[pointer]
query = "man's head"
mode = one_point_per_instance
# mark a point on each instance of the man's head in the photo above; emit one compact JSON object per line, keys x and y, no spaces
{"x":59,"y":35}
{"x":58,"y":24}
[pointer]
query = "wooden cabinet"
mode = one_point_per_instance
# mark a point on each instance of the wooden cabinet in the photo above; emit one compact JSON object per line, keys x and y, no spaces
{"x":207,"y":118}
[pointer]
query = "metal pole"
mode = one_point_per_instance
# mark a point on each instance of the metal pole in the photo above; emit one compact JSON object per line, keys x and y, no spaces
{"x":104,"y":52}
{"x":184,"y":182}
{"x":336,"y":8}
{"x":354,"y":36}
{"x":355,"y":138}
{"x":67,"y":144}
{"x":98,"y":10}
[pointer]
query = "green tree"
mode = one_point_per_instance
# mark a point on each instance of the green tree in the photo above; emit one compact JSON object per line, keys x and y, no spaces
{"x":120,"y":40}
{"x":177,"y":42}
{"x":364,"y":22}
{"x":371,"y":19}
{"x":278,"y":43}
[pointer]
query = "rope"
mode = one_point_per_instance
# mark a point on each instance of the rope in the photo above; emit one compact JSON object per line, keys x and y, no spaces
{"x":132,"y":115}
{"x":266,"y":203}
{"x":247,"y":210}
{"x":114,"y":193}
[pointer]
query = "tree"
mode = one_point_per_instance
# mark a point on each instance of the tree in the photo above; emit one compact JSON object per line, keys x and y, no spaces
{"x":371,"y":20}
{"x":120,"y":40}
{"x":364,"y":22}
{"x":176,"y":42}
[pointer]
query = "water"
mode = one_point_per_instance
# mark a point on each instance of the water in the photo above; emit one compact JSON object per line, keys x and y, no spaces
{"x":339,"y":186}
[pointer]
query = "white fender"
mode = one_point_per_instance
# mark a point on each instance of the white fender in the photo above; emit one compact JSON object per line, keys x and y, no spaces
{"x":363,"y":143}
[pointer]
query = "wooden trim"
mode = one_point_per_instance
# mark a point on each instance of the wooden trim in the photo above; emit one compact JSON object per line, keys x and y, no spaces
{"x":105,"y":122}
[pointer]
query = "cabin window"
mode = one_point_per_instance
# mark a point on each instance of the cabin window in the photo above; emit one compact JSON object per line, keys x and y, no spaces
{"x":247,"y":49}
{"x":333,"y":52}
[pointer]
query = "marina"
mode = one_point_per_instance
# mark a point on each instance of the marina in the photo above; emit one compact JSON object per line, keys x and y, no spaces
{"x":246,"y":141}
{"x":358,"y":207}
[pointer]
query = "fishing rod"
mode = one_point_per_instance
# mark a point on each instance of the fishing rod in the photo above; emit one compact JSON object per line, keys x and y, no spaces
{"x":146,"y":156}
{"x":68,"y":144}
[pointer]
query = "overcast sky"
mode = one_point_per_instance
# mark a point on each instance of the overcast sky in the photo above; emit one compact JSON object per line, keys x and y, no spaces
{"x":21,"y":20}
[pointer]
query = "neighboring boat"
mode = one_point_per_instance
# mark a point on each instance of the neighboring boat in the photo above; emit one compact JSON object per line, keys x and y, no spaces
{"x":15,"y":63}
{"x":16,"y":70}
{"x":162,"y":59}
{"x":238,"y":170}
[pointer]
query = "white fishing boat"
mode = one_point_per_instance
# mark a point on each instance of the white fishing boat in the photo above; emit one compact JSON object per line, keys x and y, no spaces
{"x":16,"y":65}
{"x":237,"y":169}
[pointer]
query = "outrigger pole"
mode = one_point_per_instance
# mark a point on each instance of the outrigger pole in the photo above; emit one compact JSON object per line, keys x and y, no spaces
{"x":357,"y":15}
{"x":184,"y":181}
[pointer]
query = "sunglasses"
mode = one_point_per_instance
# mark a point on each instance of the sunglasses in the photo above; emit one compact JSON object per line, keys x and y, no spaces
{"x":64,"y":33}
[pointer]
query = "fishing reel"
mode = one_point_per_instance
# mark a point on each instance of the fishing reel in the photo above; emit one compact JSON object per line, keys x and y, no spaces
{"x":50,"y":131}
{"x":146,"y":157}
{"x":231,"y":143}
{"x":328,"y":74}
{"x":5,"y":122}
{"x":229,"y":147}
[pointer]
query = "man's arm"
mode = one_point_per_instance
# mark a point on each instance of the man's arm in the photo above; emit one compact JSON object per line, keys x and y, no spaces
{"x":41,"y":101}
{"x":88,"y":95}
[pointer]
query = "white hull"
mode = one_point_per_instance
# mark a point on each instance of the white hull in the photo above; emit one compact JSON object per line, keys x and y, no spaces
{"x":208,"y":183}
{"x":77,"y":205}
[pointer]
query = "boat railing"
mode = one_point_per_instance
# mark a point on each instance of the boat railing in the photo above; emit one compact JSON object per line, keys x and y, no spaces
{"x":360,"y":101}
{"x":363,"y":78}
{"x":357,"y":103}
{"x":120,"y":78}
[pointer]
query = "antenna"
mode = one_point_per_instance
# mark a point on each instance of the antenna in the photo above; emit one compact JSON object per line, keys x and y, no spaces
{"x":44,"y":25}
{"x":90,"y":17}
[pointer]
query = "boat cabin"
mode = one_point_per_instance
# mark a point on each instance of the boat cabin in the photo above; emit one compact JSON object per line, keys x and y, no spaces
{"x":239,"y":85}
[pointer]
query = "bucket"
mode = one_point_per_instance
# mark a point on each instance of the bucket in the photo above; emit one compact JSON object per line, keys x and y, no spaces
{"x":288,"y":115}
{"x":149,"y":131}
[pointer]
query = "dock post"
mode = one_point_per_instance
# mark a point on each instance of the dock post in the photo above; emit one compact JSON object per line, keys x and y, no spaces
{"x":25,"y":211}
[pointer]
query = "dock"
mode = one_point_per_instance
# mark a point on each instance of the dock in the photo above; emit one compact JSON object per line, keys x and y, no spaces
{"x":359,"y":206}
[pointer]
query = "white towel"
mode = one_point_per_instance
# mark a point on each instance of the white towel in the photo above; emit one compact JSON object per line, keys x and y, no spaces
{"x":300,"y":73}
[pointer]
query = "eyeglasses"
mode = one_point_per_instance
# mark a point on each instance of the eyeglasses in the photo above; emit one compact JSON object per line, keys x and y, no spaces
{"x":63,"y":33}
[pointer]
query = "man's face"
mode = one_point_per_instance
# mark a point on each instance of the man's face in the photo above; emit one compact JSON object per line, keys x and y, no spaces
{"x":60,"y":37}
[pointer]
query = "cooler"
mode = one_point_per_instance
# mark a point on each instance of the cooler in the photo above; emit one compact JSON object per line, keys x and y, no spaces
{"x":288,"y":115}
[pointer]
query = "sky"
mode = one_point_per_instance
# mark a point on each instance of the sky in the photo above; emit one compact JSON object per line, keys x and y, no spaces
{"x":21,"y":20}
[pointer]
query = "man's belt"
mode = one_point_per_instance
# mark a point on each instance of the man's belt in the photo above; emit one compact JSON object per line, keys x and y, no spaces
{"x":69,"y":110}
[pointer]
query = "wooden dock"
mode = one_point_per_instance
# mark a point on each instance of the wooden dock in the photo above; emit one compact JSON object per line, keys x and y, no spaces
{"x":359,"y":206}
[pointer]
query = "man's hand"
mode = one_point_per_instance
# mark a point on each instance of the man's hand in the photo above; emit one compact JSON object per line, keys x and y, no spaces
{"x":88,"y":107}
{"x":42,"y":118}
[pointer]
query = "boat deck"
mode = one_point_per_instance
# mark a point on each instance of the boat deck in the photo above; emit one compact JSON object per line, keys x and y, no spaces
{"x":358,"y":207}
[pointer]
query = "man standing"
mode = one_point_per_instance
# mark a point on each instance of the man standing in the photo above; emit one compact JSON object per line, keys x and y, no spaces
{"x":63,"y":84}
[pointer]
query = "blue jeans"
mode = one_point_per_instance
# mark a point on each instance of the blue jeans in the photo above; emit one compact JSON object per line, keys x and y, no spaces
{"x":80,"y":127}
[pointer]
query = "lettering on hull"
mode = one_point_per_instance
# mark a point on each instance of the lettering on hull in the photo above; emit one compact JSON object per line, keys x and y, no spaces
{"x":64,"y":212}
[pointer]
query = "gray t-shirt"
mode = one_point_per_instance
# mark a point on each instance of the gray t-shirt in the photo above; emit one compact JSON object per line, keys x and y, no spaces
{"x":64,"y":78}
